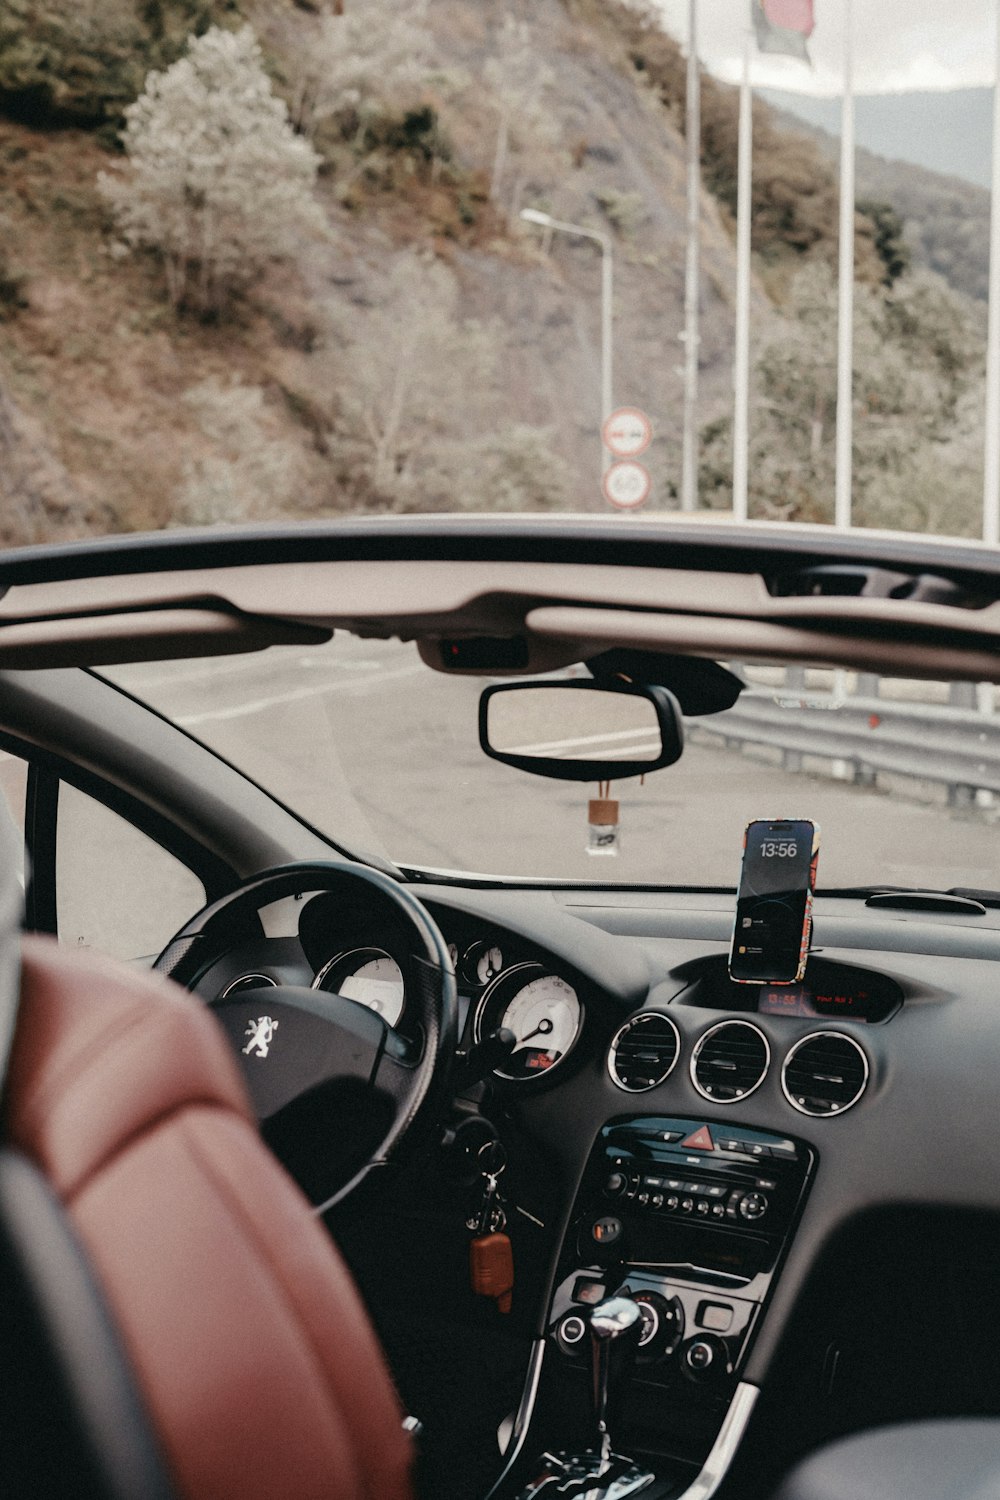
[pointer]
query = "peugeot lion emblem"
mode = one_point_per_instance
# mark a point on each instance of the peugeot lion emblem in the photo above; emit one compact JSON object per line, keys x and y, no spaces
{"x":261,"y":1034}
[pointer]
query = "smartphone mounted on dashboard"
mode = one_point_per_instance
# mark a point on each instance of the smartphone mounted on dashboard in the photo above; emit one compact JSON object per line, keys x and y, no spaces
{"x":774,"y":901}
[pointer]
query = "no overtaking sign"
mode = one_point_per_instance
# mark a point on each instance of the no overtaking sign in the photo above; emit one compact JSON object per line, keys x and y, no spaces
{"x":627,"y":432}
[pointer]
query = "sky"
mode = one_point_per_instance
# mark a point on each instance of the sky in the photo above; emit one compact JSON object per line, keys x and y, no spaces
{"x":899,"y":44}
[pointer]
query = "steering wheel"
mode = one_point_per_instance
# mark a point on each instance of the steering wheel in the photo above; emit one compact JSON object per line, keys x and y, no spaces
{"x":295,"y":1045}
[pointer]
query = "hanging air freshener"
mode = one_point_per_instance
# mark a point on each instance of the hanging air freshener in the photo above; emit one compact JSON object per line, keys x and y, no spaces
{"x":602,"y":822}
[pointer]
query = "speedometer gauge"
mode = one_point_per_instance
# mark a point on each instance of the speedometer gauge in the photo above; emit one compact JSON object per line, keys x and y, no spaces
{"x":543,"y":1012}
{"x":370,"y":977}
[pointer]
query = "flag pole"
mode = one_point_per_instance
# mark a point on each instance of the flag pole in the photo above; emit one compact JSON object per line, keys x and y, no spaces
{"x":991,"y":450}
{"x":845,"y":297}
{"x":741,"y":359}
{"x":689,"y":460}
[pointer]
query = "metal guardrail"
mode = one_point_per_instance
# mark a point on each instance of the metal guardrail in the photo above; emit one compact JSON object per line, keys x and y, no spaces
{"x":958,"y":748}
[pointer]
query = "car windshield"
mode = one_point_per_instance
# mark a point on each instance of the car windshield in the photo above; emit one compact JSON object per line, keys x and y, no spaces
{"x":382,"y":755}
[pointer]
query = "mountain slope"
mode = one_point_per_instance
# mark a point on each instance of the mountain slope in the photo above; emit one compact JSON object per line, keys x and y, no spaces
{"x":430,"y":350}
{"x":91,"y":351}
{"x":948,"y":132}
{"x":946,"y":218}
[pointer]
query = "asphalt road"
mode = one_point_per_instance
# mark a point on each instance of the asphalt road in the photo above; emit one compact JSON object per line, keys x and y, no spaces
{"x":382,"y":753}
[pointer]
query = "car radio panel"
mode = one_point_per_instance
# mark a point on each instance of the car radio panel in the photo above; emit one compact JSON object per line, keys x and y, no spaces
{"x":691,"y":1219}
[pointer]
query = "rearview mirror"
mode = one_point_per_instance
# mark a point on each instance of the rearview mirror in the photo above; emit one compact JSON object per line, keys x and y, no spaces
{"x":581,"y":731}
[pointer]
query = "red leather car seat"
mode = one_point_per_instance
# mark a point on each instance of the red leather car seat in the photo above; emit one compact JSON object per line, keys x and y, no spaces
{"x":253,"y":1355}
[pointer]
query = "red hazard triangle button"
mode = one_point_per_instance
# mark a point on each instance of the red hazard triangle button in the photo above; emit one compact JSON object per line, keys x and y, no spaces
{"x":699,"y":1140}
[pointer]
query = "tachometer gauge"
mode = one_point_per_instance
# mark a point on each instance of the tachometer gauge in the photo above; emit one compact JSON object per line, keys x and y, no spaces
{"x":369,"y":976}
{"x":543,"y":1012}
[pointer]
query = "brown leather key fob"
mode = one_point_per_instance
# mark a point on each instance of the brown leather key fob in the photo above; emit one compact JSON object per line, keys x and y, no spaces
{"x":491,"y":1268}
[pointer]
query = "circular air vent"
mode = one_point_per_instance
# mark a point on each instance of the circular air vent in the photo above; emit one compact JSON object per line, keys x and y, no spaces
{"x":825,"y":1073}
{"x":249,"y":982}
{"x":730,"y":1061}
{"x":644,"y":1051}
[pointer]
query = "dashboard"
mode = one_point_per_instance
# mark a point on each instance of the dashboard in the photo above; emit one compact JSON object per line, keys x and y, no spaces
{"x":506,"y":980}
{"x":633,"y":989}
{"x":835,"y":1133}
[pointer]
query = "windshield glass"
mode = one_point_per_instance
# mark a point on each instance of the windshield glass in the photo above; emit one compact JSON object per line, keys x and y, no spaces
{"x":382,"y":754}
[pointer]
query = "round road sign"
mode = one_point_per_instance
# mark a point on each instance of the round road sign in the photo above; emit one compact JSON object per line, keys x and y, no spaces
{"x":627,"y":484}
{"x":627,"y":432}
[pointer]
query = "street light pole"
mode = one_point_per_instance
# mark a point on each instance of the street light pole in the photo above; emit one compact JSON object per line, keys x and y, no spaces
{"x":845,"y":295}
{"x":991,"y":462}
{"x":535,"y":216}
{"x":692,"y":128}
{"x":741,"y":360}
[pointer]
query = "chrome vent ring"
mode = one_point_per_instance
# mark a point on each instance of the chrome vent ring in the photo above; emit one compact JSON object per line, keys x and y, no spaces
{"x":730,"y":1061}
{"x":825,"y":1074}
{"x":644,"y":1051}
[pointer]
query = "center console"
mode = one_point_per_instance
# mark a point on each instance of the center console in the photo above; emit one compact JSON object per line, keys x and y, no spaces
{"x":689,"y":1220}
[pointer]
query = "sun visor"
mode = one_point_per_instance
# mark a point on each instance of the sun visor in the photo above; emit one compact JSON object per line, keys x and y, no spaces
{"x":144,"y":635}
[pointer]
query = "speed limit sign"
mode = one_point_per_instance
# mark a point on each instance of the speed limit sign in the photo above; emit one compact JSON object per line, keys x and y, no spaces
{"x":627,"y":484}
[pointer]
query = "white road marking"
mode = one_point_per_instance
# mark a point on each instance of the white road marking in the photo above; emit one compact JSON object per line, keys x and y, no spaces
{"x":317,"y":690}
{"x":621,"y":752}
{"x":365,"y":664}
{"x":545,"y":746}
{"x":232,"y":666}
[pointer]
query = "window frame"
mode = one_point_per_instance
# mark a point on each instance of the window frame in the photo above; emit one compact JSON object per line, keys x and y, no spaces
{"x":46,"y":772}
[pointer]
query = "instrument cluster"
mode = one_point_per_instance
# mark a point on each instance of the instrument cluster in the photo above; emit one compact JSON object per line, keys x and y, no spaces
{"x":505,"y":982}
{"x":502,"y":982}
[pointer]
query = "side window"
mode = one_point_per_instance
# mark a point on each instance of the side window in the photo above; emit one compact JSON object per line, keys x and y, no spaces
{"x":13,"y":790}
{"x":116,"y":888}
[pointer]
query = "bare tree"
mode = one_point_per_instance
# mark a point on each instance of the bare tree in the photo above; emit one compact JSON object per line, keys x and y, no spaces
{"x":918,"y":362}
{"x":418,"y":408}
{"x":372,"y":53}
{"x":247,"y":473}
{"x":217,"y":182}
{"x":519,"y":81}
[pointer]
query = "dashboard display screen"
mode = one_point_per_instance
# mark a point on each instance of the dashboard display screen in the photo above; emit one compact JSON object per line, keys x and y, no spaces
{"x":827,"y":991}
{"x":852,"y":997}
{"x":790,"y":1000}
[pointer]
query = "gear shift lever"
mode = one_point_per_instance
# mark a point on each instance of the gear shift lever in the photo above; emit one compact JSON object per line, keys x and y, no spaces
{"x":615,"y":1330}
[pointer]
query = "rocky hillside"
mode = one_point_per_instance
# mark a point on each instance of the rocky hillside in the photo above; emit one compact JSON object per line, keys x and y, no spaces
{"x":428,"y":350}
{"x":945,"y":219}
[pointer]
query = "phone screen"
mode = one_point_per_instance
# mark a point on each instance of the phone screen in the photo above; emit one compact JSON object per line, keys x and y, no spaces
{"x":774,"y":902}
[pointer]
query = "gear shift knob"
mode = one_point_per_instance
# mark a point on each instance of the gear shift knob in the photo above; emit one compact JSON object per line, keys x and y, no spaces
{"x":615,"y":1330}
